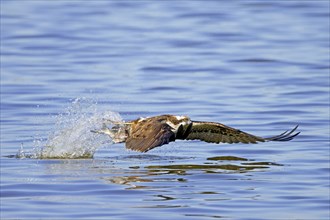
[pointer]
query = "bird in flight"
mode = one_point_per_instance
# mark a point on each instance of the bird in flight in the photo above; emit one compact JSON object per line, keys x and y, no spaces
{"x":144,"y":134}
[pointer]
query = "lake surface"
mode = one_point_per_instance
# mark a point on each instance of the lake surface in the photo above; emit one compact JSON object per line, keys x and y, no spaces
{"x":259,"y":66}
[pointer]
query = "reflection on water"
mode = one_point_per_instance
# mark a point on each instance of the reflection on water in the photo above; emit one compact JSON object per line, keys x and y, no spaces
{"x":142,"y":176}
{"x":148,"y":174}
{"x":183,"y":168}
{"x":233,"y":158}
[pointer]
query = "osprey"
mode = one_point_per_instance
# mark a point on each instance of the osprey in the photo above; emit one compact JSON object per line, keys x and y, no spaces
{"x":144,"y":134}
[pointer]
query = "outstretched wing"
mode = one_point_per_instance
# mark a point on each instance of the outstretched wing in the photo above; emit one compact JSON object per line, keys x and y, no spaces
{"x":216,"y":133}
{"x":148,"y":135}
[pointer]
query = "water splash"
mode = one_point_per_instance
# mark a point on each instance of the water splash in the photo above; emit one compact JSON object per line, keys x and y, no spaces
{"x":71,"y":138}
{"x":21,"y":153}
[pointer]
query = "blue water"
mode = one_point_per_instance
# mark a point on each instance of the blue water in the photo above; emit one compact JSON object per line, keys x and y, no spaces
{"x":259,"y":66}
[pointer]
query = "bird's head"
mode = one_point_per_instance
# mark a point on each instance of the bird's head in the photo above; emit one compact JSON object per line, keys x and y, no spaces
{"x":182,"y":126}
{"x":182,"y":120}
{"x":176,"y":121}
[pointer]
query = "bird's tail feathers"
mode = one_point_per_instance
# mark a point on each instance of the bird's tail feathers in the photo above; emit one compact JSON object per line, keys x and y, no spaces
{"x":285,"y":136}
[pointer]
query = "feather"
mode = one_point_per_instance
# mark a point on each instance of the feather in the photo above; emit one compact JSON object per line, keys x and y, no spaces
{"x":148,"y":135}
{"x":216,"y":133}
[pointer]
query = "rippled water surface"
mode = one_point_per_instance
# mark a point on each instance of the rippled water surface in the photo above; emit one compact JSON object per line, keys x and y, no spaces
{"x":260,"y":66}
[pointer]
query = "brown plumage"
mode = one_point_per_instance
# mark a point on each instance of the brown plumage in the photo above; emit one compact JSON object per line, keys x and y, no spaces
{"x":145,"y":134}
